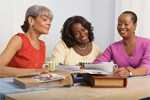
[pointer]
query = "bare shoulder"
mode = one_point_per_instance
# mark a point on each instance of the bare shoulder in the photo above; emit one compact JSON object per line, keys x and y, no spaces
{"x":16,"y":38}
{"x":15,"y":42}
{"x":61,"y":44}
{"x":94,"y":45}
{"x":14,"y":45}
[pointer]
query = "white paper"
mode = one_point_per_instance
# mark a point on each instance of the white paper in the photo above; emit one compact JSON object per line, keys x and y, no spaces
{"x":69,"y":68}
{"x":90,"y":71}
{"x":48,"y":77}
{"x":104,"y":67}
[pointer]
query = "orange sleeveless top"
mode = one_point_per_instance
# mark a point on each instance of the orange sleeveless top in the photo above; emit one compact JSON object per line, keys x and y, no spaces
{"x":28,"y":56}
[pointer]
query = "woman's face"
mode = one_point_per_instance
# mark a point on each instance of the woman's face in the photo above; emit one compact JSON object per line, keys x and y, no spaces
{"x":126,"y":27}
{"x":80,"y":33}
{"x":42,"y":24}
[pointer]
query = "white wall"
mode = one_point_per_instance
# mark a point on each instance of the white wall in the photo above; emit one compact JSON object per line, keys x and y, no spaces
{"x":103,"y":20}
{"x":6,"y":20}
{"x":102,"y":13}
{"x":141,"y":8}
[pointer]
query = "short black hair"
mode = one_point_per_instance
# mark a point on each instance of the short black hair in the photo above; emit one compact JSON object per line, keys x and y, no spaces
{"x":133,"y":15}
{"x":66,"y":31}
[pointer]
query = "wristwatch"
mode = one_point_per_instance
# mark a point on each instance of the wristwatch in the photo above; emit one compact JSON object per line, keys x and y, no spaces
{"x":130,"y":74}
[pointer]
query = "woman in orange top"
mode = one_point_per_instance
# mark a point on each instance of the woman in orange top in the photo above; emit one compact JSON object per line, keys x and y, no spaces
{"x":26,"y":52}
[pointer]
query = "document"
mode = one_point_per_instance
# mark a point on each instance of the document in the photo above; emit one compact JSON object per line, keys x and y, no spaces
{"x":69,"y":68}
{"x":101,"y":68}
{"x":48,"y":77}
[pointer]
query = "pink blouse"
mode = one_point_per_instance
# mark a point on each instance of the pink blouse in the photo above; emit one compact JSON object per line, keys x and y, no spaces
{"x":117,"y":53}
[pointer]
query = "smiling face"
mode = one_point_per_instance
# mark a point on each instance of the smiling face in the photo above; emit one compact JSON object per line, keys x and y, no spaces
{"x":41,"y":24}
{"x":126,"y":27}
{"x":80,"y":33}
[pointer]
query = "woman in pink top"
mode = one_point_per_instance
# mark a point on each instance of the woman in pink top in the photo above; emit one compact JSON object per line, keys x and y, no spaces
{"x":26,"y":52}
{"x":132,"y":53}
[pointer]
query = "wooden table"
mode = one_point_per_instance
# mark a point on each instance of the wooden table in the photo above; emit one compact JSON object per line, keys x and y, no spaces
{"x":138,"y":87}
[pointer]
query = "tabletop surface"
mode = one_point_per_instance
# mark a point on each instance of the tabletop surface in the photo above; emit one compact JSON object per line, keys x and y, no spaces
{"x":137,"y":87}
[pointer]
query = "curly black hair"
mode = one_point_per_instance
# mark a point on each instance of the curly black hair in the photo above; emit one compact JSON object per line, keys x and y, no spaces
{"x":67,"y":34}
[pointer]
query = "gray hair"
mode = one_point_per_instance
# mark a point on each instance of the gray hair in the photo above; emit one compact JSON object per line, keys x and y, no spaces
{"x":34,"y":11}
{"x":37,"y":10}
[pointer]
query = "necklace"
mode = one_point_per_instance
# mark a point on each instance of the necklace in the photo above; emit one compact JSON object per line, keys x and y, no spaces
{"x":83,"y":47}
{"x":83,"y":50}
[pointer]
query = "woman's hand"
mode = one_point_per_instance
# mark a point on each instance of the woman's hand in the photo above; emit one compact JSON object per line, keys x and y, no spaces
{"x":122,"y":71}
{"x":13,"y":72}
{"x":42,"y":70}
{"x":130,"y":71}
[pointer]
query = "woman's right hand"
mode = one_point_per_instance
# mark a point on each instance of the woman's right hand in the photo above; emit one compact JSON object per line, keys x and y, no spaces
{"x":122,"y":71}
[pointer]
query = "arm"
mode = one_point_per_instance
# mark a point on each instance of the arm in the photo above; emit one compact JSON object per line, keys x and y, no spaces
{"x":130,"y":71}
{"x":142,"y":69}
{"x":13,"y":46}
{"x":104,"y":57}
{"x":9,"y":71}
